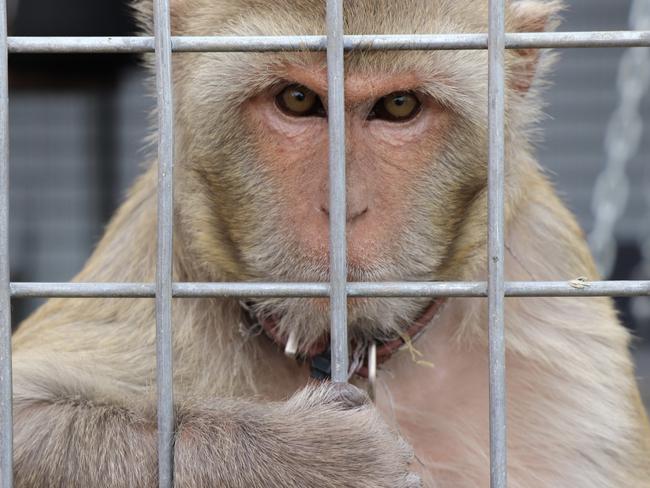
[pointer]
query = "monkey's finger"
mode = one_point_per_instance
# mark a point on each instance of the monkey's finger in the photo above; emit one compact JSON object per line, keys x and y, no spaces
{"x":348,"y":396}
{"x":337,"y":395}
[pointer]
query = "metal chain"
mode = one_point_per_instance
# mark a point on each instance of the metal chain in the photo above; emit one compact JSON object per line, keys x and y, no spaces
{"x":622,"y":141}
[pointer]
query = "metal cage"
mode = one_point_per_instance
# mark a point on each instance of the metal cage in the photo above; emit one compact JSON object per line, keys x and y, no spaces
{"x":338,"y":289}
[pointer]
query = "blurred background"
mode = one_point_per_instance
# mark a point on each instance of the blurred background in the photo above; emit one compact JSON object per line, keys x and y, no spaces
{"x":77,"y":123}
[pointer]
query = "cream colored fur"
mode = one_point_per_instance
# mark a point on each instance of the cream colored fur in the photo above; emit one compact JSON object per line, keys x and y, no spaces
{"x":84,"y":369}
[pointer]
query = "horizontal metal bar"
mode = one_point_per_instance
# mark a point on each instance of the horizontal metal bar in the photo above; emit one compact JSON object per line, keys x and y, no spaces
{"x":179,"y":290}
{"x":578,"y":39}
{"x":576,"y":288}
{"x":144,"y":44}
{"x":60,"y":45}
{"x":422,"y":289}
{"x":242,"y":290}
{"x":512,"y":289}
{"x":83,"y":290}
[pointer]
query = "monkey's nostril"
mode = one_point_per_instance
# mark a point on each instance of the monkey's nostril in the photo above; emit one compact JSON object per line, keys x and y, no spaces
{"x":352,"y":213}
{"x":359,"y":214}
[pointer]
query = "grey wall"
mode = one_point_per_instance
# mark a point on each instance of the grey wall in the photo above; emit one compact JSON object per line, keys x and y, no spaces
{"x":581,"y":101}
{"x":57,"y":153}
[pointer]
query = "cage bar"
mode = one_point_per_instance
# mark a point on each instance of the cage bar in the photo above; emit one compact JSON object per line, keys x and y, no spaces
{"x":496,"y":246}
{"x":335,"y":43}
{"x":144,"y":44}
{"x":164,"y":351}
{"x":532,"y":289}
{"x":6,"y":417}
{"x":337,"y":210}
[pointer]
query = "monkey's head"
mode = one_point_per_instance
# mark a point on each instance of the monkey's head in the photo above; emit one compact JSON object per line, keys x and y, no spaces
{"x":252,"y":144}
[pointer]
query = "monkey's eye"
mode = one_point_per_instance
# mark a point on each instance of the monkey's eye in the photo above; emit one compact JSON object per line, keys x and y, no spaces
{"x":396,"y":107}
{"x":300,"y":101}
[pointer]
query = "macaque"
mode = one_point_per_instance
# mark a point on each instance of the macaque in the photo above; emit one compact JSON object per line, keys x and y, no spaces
{"x":251,"y":204}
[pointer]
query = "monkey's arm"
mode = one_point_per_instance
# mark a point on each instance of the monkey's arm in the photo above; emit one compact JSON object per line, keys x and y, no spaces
{"x":70,"y":434}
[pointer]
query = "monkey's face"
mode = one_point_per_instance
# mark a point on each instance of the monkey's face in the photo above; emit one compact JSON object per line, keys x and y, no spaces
{"x":409,"y":180}
{"x":394,"y":135}
{"x":252,"y":144}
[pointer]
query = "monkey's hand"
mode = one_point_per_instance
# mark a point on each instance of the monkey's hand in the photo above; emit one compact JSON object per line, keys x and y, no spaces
{"x":70,"y":433}
{"x":324,"y":436}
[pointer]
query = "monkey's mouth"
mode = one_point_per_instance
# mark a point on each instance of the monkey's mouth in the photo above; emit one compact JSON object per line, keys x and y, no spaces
{"x":317,"y":353}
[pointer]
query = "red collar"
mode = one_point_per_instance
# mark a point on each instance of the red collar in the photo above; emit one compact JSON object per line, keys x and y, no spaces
{"x":320,"y":351}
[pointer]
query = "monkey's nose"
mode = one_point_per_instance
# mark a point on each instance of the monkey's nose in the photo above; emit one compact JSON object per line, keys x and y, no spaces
{"x":352,"y":212}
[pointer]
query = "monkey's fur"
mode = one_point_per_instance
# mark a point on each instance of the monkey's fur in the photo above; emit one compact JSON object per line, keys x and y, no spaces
{"x":84,"y":370}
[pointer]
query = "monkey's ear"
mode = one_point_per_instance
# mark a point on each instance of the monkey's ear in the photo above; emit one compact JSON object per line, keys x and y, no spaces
{"x":530,"y":16}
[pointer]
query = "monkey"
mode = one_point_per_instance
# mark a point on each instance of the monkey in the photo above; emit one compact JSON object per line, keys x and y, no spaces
{"x":251,"y":204}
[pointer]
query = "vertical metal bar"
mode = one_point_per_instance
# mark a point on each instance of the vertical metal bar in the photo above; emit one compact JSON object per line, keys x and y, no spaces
{"x":338,"y":245}
{"x":6,"y":420}
{"x":496,"y":222}
{"x":165,"y":243}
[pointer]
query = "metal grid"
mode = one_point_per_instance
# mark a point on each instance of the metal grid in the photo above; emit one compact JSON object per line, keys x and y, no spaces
{"x":335,"y":43}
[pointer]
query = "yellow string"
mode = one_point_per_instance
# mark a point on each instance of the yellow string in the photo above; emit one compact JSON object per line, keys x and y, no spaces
{"x":415,"y":354}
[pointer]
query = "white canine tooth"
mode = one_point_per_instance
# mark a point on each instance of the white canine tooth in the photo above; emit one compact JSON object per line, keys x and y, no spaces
{"x":291,"y":349}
